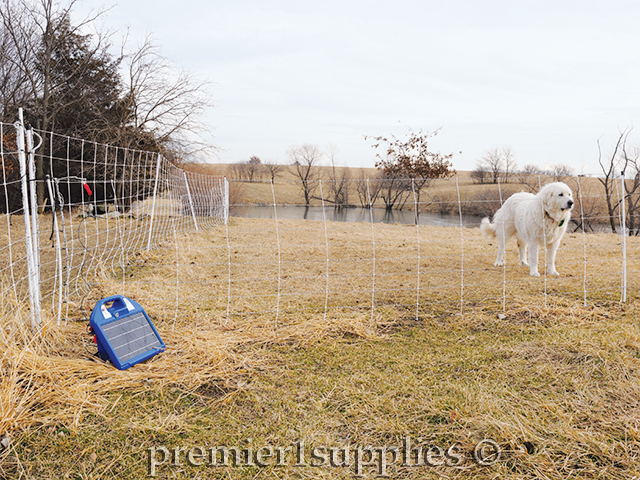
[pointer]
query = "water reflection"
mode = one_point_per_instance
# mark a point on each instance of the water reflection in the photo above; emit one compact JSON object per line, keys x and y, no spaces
{"x":380,"y":215}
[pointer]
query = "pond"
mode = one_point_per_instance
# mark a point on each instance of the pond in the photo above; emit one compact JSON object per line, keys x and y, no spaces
{"x":380,"y":215}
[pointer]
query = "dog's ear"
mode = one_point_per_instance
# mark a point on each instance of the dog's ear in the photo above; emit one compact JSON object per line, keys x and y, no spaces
{"x":547,"y":194}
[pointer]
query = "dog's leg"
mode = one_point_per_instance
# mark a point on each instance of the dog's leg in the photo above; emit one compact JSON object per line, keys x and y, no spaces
{"x":533,"y":259}
{"x":522,"y":249}
{"x":552,"y":248}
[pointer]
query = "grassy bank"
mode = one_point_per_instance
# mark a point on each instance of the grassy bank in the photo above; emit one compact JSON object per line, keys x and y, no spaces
{"x":556,"y":388}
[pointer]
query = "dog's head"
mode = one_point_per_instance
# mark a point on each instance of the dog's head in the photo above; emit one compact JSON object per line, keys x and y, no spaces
{"x":557,"y":199}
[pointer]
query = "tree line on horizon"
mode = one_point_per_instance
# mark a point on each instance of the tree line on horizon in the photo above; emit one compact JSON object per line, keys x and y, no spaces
{"x":69,"y":82}
{"x":407,"y":168}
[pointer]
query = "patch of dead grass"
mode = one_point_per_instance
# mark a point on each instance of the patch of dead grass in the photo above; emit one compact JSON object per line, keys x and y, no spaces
{"x":550,"y":371}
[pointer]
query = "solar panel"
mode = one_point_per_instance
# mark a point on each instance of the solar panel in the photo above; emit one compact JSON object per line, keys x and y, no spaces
{"x":124,"y":332}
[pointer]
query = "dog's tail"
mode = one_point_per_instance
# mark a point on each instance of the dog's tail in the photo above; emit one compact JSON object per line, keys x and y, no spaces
{"x":487,"y":228}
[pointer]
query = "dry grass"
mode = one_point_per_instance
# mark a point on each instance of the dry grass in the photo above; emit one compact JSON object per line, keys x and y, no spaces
{"x":281,"y":366}
{"x":299,"y":267}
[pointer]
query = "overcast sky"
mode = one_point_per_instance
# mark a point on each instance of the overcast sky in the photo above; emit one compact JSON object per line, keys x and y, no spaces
{"x":547,"y":78}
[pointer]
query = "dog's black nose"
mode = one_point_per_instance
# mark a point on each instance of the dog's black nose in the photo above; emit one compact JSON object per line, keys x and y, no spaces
{"x":570,"y":202}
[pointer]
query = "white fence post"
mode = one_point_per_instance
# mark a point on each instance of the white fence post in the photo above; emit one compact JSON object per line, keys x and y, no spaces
{"x":417,"y":216}
{"x":373,"y":249}
{"x":35,"y":221}
{"x":544,"y":242}
{"x":32,"y":265}
{"x":461,"y":250}
{"x":275,"y":216}
{"x":584,"y":244}
{"x":153,"y":205}
{"x":326,"y":244}
{"x":226,"y":201}
{"x":193,"y":212}
{"x":58,"y":248}
{"x":504,"y":257}
{"x":624,"y":238}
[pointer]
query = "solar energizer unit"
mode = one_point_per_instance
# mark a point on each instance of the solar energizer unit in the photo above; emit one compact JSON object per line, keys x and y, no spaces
{"x":124,"y":333}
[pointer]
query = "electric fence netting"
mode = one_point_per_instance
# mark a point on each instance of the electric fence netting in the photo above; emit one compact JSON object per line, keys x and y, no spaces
{"x":347,"y":260}
{"x":97,"y":211}
{"x":280,"y":261}
{"x":107,"y":220}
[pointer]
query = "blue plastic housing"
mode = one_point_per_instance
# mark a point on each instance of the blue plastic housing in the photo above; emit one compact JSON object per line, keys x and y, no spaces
{"x":124,"y":332}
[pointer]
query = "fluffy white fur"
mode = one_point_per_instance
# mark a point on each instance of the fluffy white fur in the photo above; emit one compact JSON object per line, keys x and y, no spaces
{"x":536,"y":221}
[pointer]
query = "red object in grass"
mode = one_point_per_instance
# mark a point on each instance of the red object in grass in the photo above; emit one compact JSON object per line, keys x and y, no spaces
{"x":87,"y":188}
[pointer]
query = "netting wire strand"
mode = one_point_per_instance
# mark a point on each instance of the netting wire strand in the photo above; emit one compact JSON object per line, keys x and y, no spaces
{"x":69,"y":245}
{"x":584,"y":243}
{"x":622,"y":239}
{"x":373,"y":249}
{"x":177,"y":252}
{"x":504,"y":259}
{"x":275,"y":216}
{"x":226,"y":236}
{"x":623,"y":228}
{"x":461,"y":249}
{"x":326,"y":243}
{"x":544,"y":246}
{"x":417,"y":220}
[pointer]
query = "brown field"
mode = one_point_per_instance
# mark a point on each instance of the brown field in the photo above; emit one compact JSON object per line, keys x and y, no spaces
{"x":403,"y":321}
{"x":332,"y":332}
{"x":303,"y":267}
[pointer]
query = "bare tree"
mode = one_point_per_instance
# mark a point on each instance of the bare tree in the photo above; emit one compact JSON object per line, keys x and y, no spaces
{"x":479,"y":174}
{"x":499,"y":162}
{"x":14,"y":86}
{"x":509,"y":162}
{"x":338,"y":181}
{"x":304,"y":160}
{"x":394,"y":192}
{"x":561,"y":172}
{"x":367,"y":188}
{"x":236,"y":171}
{"x":253,"y":168}
{"x":624,"y":162}
{"x":491,"y":162}
{"x":611,"y":167}
{"x":248,"y":171}
{"x":529,"y":176}
{"x":273,"y":169}
{"x":164,"y":102}
{"x":588,"y":208}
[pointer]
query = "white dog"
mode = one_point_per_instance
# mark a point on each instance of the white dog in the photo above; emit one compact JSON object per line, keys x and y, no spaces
{"x":535,"y":220}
